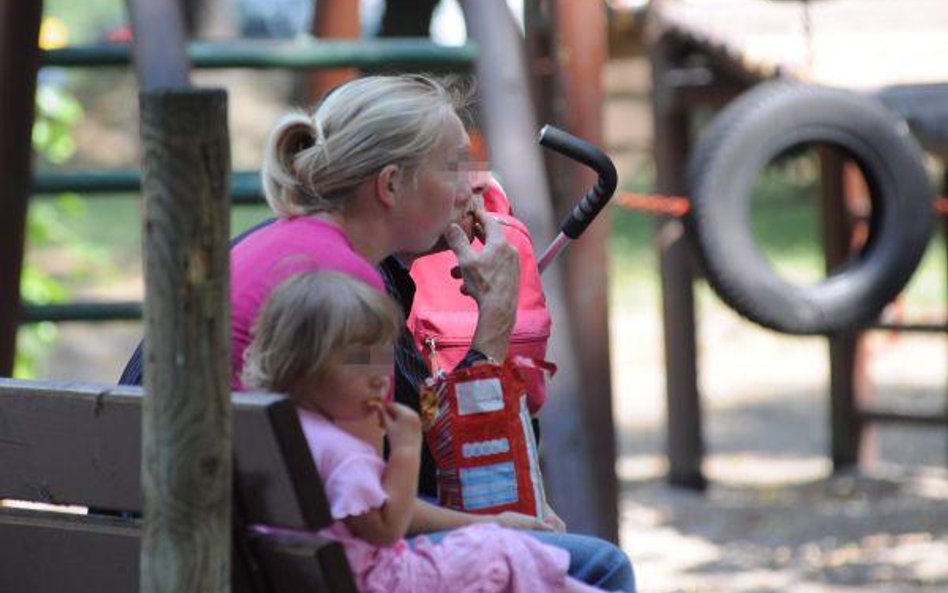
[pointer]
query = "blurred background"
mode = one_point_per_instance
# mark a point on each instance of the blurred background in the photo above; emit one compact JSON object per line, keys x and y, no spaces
{"x":773,"y":518}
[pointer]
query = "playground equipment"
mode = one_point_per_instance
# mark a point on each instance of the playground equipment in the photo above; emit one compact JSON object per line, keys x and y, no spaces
{"x":766,"y":122}
{"x":704,"y":57}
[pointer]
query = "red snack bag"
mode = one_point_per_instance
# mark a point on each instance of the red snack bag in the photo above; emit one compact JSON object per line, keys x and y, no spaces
{"x":477,"y":427}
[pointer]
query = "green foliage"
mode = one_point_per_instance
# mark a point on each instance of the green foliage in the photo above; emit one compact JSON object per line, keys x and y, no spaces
{"x":56,"y":114}
{"x":47,"y":222}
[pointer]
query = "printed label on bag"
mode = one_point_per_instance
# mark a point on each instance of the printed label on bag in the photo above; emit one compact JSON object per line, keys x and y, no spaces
{"x":484,"y":448}
{"x":479,"y":397}
{"x":488,"y":486}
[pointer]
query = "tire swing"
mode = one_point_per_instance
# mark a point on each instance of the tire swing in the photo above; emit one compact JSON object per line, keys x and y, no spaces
{"x":767,"y":121}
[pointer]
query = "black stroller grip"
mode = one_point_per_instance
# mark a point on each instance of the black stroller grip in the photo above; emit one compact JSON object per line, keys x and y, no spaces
{"x":579,"y":150}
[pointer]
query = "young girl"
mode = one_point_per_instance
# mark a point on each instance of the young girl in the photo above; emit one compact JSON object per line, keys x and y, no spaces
{"x":326,"y":340}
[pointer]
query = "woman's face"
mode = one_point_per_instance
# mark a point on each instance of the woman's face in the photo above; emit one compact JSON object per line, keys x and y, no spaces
{"x":443,"y":192}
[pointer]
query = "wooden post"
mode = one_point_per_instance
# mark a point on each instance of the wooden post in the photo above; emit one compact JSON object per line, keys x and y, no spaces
{"x":186,"y":426}
{"x":583,"y":46}
{"x":160,"y":44}
{"x":511,"y":132}
{"x":685,"y":444}
{"x":849,"y":385}
{"x":333,"y":19}
{"x":19,"y":61}
{"x":944,"y":236}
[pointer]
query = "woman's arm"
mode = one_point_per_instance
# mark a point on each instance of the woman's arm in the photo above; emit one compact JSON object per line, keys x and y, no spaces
{"x":388,"y":524}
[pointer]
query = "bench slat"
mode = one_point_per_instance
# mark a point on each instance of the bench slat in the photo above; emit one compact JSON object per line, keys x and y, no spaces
{"x":69,"y":443}
{"x":56,"y":552}
{"x":53,"y":552}
{"x":80,"y":444}
{"x":63,"y":443}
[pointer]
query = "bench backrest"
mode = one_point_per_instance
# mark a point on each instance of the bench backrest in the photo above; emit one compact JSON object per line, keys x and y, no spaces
{"x":75,"y":444}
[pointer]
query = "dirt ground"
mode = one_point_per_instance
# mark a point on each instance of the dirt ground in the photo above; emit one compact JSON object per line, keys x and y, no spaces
{"x":773,"y":518}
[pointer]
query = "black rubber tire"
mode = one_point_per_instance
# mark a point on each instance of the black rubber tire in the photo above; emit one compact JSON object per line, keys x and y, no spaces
{"x":750,"y":133}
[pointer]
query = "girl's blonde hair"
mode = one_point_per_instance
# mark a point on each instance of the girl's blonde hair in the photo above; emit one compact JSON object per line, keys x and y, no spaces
{"x":306,"y":319}
{"x":315,"y":160}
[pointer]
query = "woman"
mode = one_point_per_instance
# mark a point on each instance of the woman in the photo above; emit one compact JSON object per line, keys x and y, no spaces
{"x":378,"y":172}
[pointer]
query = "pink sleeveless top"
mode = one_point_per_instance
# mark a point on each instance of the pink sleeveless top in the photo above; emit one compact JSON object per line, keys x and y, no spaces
{"x":273,"y":253}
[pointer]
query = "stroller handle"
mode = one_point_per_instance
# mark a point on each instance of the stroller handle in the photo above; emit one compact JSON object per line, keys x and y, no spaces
{"x":579,"y":150}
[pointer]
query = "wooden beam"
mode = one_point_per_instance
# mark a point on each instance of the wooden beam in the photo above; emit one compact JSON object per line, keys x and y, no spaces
{"x":582,"y":42}
{"x":19,"y":61}
{"x":159,"y":44}
{"x":511,"y":131}
{"x":850,"y":388}
{"x":685,"y":443}
{"x":333,"y":19}
{"x":186,"y":420}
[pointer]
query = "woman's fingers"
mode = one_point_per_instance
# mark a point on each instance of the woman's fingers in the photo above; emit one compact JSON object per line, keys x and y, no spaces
{"x":458,"y":242}
{"x":490,"y":227}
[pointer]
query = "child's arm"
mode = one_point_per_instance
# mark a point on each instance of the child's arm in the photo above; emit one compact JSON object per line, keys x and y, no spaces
{"x":388,"y":524}
{"x":428,"y":517}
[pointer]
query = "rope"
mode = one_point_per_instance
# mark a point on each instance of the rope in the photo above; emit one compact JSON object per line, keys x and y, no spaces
{"x":678,"y":206}
{"x":654,"y":203}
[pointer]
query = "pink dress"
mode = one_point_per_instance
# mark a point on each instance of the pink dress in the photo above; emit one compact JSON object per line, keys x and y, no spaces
{"x":275,"y":252}
{"x":484,"y":558}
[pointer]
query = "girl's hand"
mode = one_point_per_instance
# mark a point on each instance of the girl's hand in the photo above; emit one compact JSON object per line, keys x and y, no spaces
{"x":553,"y":520}
{"x":516,"y":520}
{"x":402,"y":425}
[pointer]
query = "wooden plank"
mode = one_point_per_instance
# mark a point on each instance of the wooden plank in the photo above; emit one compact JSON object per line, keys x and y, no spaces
{"x":52,"y":552}
{"x":65,"y":443}
{"x":70,"y":443}
{"x":49,"y":552}
{"x":19,"y":61}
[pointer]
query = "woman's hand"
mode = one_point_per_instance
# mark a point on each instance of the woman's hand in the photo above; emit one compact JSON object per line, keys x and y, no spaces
{"x":516,"y":520}
{"x":552,"y":519}
{"x":492,"y":278}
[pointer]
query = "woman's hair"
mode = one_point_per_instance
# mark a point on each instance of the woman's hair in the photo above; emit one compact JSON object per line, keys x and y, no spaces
{"x":306,"y":319}
{"x":315,"y":160}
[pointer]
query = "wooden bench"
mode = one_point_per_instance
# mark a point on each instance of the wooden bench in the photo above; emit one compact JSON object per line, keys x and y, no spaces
{"x":73,"y":444}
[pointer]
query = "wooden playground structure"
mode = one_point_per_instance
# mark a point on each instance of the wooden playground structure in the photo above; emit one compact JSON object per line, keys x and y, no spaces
{"x":701,"y":58}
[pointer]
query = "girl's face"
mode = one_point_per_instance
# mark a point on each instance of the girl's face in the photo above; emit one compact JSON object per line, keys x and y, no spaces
{"x":443,"y":192}
{"x":352,"y":384}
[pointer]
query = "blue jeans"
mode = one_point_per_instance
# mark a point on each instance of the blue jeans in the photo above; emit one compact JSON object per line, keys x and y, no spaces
{"x":592,"y":560}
